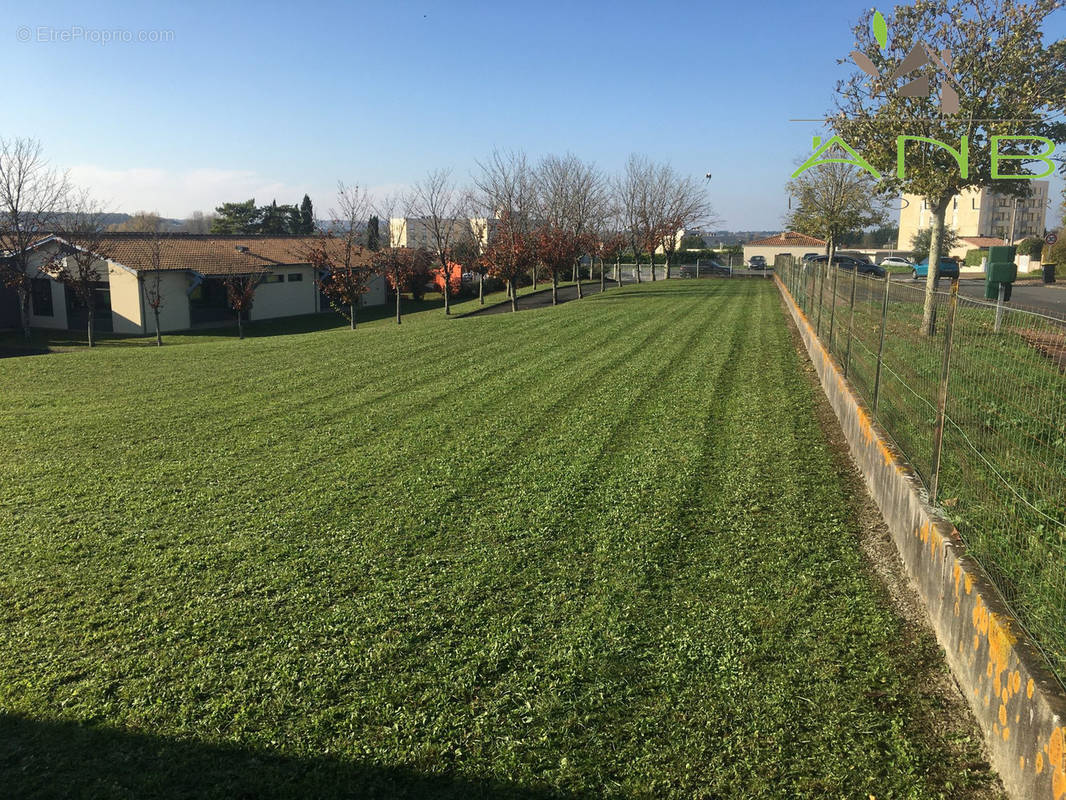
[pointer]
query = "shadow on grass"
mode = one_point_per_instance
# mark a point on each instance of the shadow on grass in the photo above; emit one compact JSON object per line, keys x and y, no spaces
{"x":13,"y":343}
{"x":71,"y":760}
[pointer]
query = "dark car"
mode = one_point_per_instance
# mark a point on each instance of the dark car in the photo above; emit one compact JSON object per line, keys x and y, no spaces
{"x":863,"y":265}
{"x":711,"y":268}
{"x":757,"y":262}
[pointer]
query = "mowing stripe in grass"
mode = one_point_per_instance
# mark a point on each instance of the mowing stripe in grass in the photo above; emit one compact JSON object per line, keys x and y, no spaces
{"x":607,"y":556}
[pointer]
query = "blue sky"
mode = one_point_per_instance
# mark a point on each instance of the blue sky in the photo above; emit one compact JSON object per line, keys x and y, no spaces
{"x":277,"y":99}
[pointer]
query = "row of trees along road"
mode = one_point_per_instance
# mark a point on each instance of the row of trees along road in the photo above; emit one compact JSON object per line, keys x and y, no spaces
{"x":989,"y":73}
{"x":515,"y":222}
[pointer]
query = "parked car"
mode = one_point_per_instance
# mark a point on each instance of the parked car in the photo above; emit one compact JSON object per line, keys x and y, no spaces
{"x":706,"y":268}
{"x":809,"y":256}
{"x":896,"y":261}
{"x":851,"y":262}
{"x":757,"y":262}
{"x":949,"y":268}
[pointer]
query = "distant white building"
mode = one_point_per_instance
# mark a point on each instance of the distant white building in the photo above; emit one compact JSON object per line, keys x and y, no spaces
{"x":418,"y":231}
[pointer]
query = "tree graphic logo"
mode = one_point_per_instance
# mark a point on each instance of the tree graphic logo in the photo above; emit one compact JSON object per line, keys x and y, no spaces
{"x":919,"y":56}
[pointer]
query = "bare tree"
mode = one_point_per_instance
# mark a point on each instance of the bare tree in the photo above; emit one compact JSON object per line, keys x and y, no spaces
{"x":468,"y":249}
{"x":438,"y":205}
{"x":240,"y":293}
{"x":506,"y":187}
{"x":84,"y":251}
{"x":631,"y":190}
{"x":155,"y":246}
{"x":389,"y":261}
{"x":198,"y":222}
{"x":572,"y":196}
{"x":140,"y":222}
{"x":32,"y":197}
{"x":344,"y":272}
{"x":686,"y":206}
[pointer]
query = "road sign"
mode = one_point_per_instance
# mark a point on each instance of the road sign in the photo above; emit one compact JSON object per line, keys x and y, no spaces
{"x":1051,"y":238}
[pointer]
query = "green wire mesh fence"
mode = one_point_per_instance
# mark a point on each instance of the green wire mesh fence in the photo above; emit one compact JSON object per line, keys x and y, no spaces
{"x":975,"y":398}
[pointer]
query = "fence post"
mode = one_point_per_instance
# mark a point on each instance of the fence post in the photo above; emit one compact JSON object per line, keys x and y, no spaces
{"x":942,"y":392}
{"x":821,"y":294}
{"x":833,"y":306}
{"x":811,"y":293}
{"x":999,"y":307}
{"x":851,"y":323}
{"x":881,"y":343}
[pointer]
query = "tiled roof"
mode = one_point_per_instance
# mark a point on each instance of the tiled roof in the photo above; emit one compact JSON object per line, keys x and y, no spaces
{"x":981,"y":241}
{"x":789,"y":239}
{"x":216,"y":255}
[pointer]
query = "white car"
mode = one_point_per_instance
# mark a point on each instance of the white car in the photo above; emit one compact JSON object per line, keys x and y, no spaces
{"x":896,"y":261}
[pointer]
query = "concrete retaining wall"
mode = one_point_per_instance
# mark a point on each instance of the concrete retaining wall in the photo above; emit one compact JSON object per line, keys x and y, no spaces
{"x":1016,"y":699}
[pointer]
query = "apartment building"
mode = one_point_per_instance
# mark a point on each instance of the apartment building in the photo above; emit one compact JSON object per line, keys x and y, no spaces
{"x":418,"y":231}
{"x":980,"y":214}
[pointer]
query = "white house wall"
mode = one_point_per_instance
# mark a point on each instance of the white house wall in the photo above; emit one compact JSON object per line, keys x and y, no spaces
{"x":285,"y":299}
{"x":125,"y":300}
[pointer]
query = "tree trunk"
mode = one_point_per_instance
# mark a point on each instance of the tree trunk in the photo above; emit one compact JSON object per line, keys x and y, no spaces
{"x":555,"y":289}
{"x":481,"y":289}
{"x":240,"y":326}
{"x":939,"y":208}
{"x":351,"y":311}
{"x":577,"y":273}
{"x":158,"y":333}
{"x":89,"y":326}
{"x":603,"y":280}
{"x":636,"y":269}
{"x":618,"y":270}
{"x":514,"y":296}
{"x":24,"y":310}
{"x":667,"y":253}
{"x":447,"y":292}
{"x":534,"y":278}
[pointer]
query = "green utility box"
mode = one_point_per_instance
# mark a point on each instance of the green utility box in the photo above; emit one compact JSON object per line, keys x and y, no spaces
{"x":1000,"y":269}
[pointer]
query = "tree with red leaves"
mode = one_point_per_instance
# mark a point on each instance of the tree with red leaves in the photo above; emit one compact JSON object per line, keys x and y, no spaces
{"x":344,"y":273}
{"x":510,"y":255}
{"x":405,"y":270}
{"x":81,"y":262}
{"x":610,"y":248}
{"x":240,"y":293}
{"x":557,"y":251}
{"x":342,"y":266}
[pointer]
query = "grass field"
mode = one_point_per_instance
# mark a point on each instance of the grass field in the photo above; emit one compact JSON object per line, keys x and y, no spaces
{"x":1004,"y":448}
{"x":599,"y":550}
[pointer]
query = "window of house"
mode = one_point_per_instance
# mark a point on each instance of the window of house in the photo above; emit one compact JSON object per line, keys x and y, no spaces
{"x":295,"y":276}
{"x":41,"y":292}
{"x":274,"y":279}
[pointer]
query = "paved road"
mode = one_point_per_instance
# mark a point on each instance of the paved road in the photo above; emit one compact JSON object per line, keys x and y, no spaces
{"x":1048,"y":299}
{"x":544,"y":298}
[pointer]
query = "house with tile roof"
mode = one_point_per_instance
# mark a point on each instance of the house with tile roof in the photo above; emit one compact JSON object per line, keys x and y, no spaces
{"x":191,"y":270}
{"x":784,"y":243}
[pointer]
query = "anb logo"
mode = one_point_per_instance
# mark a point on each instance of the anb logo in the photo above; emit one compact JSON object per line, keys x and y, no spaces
{"x":918,"y":57}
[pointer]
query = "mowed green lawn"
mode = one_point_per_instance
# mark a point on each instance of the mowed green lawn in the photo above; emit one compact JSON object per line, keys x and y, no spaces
{"x":598,"y":550}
